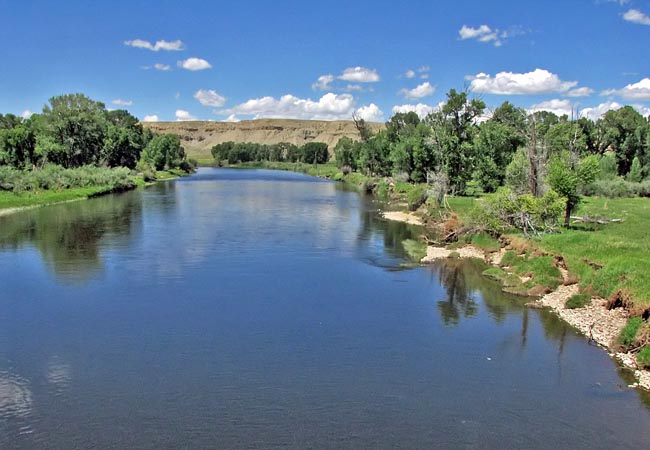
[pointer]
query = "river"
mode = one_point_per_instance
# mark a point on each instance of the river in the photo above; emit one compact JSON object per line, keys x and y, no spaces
{"x":270,"y":310}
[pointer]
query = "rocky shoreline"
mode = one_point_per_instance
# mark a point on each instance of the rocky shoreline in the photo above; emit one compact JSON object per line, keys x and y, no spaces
{"x":598,"y":323}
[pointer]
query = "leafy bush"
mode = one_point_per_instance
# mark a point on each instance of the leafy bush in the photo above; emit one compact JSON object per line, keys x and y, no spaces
{"x":617,"y":187}
{"x":578,"y":301}
{"x":416,"y":197}
{"x":56,"y":178}
{"x":506,"y":210}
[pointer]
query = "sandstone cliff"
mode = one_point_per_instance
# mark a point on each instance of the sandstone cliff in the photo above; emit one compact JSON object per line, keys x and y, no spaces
{"x":199,"y":137}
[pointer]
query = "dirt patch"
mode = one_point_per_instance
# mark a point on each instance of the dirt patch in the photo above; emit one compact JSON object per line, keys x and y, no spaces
{"x":398,"y":216}
{"x":434,"y":253}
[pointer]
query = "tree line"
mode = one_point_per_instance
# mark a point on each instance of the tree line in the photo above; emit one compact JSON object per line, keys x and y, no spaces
{"x":74,"y":131}
{"x":233,"y":153}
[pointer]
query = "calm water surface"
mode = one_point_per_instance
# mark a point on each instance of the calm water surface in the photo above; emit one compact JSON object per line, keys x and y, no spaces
{"x":270,"y":310}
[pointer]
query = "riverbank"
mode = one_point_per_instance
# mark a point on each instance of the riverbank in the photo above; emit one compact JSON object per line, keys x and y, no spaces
{"x":595,"y":319}
{"x":606,"y":263}
{"x":13,"y":202}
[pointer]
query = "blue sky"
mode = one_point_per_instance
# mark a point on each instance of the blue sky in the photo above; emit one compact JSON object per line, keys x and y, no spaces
{"x":170,"y":60}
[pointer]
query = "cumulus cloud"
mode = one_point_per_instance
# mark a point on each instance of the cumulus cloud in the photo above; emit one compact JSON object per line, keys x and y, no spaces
{"x":120,"y":102}
{"x":482,"y":34}
{"x":637,"y":91}
{"x":160,"y":66}
{"x":410,"y":74}
{"x":539,"y":81}
{"x":580,"y":92}
{"x":329,"y":107}
{"x":636,"y":16}
{"x":182,"y":115}
{"x":421,"y":109}
{"x":557,"y":106}
{"x":359,"y":75}
{"x":150,"y":118}
{"x":370,"y":113}
{"x":194,"y":64}
{"x":158,"y":45}
{"x":351,"y":74}
{"x":323,"y":83}
{"x":423,"y":90}
{"x":210,"y":97}
{"x":26,"y":114}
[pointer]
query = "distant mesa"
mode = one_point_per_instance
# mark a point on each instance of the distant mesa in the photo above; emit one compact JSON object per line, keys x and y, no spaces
{"x":200,"y":136}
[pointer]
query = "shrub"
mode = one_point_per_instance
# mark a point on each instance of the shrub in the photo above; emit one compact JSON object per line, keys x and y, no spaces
{"x":416,"y":197}
{"x":578,"y":301}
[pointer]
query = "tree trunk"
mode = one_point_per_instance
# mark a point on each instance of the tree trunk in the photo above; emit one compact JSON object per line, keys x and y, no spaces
{"x":567,"y":214}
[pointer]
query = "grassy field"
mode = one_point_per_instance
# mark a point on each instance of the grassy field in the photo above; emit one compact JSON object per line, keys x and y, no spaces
{"x":46,"y":197}
{"x":611,"y":259}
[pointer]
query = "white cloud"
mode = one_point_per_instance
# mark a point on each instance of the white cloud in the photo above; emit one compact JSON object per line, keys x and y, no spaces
{"x":359,"y":75}
{"x":194,"y":64}
{"x":353,"y":74}
{"x":556,"y":106}
{"x":163,"y":67}
{"x":539,"y":81}
{"x":370,"y":113}
{"x":421,"y":109}
{"x":482,"y":34}
{"x":210,"y":97}
{"x":26,"y":114}
{"x":177,"y":95}
{"x":159,"y":45}
{"x":493,"y":35}
{"x":580,"y":92}
{"x":151,"y":118}
{"x":182,"y":115}
{"x":329,"y":107}
{"x":410,"y":74}
{"x":323,"y":82}
{"x":637,"y":91}
{"x":120,"y":102}
{"x":636,"y":16}
{"x":423,"y":90}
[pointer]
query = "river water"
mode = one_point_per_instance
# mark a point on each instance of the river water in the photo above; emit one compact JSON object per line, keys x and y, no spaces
{"x":271,"y":310}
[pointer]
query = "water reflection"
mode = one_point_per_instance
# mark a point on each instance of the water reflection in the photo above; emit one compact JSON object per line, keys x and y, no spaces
{"x":15,"y":396}
{"x":69,"y":236}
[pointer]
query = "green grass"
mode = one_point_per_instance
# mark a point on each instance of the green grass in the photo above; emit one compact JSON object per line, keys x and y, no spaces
{"x":628,"y":333}
{"x":47,"y":197}
{"x":578,"y":301}
{"x":621,"y":249}
{"x":643,"y":358}
{"x":485,"y":242}
{"x":416,"y":250}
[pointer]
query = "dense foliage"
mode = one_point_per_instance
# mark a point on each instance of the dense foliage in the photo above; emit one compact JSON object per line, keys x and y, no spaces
{"x":75,"y":131}
{"x":530,"y":153}
{"x":233,"y":153}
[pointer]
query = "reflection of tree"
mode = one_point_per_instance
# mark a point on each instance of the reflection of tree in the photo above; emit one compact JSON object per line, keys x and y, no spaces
{"x":391,"y":233}
{"x":68,"y":236}
{"x":460,"y":301}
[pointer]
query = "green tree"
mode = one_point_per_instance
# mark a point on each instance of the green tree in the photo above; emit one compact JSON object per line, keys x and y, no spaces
{"x":494,"y":146}
{"x":164,"y":152}
{"x":315,"y":153}
{"x":453,"y":130}
{"x":566,"y":176}
{"x":635,"y":174}
{"x":17,"y":146}
{"x":346,"y":153}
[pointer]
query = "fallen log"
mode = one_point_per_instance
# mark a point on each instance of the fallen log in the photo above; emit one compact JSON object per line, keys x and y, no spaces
{"x":598,"y":220}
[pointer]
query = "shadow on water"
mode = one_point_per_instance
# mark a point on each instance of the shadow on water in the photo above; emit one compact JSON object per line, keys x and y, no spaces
{"x":69,"y":237}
